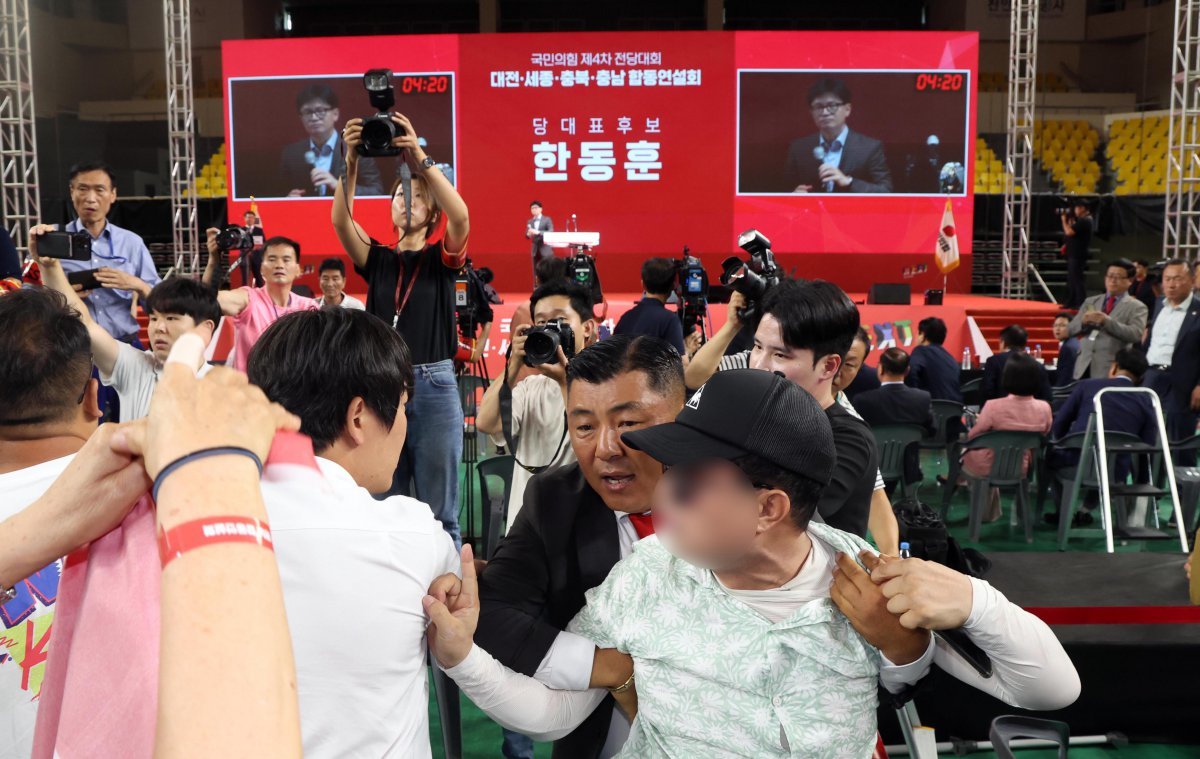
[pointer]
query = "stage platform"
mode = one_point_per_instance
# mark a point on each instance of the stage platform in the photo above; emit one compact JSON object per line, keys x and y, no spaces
{"x":1125,"y":621}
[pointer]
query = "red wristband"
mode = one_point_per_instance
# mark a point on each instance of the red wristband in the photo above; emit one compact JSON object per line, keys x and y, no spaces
{"x":209,"y":531}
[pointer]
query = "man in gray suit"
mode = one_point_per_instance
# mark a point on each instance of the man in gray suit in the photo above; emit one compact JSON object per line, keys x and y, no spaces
{"x":836,"y":159}
{"x":538,"y":225}
{"x":1108,"y":322}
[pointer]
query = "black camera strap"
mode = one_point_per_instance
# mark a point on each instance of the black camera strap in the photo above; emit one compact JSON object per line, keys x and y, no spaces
{"x":511,"y":442}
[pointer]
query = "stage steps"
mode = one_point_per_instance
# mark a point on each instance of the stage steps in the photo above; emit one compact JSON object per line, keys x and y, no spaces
{"x":1040,"y":327}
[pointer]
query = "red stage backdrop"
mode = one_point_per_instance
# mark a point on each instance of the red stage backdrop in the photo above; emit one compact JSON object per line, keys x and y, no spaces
{"x":654,"y":140}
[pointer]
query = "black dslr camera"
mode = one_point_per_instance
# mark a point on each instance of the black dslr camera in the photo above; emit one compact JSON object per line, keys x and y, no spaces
{"x":543,"y":341}
{"x":234,"y":237}
{"x":379,"y":130}
{"x":751,"y":277}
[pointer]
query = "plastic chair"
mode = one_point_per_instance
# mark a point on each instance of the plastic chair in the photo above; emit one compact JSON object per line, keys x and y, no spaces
{"x":1009,"y":727}
{"x":946,"y":414}
{"x":1119,"y":443}
{"x":972,"y":392}
{"x":1059,"y":395}
{"x":893,"y":441}
{"x":1187,"y":478}
{"x":1008,"y":457}
{"x":495,"y":512}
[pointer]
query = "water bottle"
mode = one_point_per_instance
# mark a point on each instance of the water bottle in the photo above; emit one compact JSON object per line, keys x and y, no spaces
{"x":966,"y":362}
{"x":905,"y":551}
{"x":1037,"y":353}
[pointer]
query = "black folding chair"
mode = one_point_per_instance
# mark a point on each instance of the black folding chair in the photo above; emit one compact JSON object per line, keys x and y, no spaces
{"x":495,"y":500}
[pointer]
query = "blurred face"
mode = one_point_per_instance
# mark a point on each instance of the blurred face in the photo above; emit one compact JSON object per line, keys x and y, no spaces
{"x":421,"y":210}
{"x":829,"y":113}
{"x":1116,"y":281}
{"x":559,"y":307}
{"x":332,"y":283}
{"x":535,"y":210}
{"x":1081,"y":210}
{"x":1062,"y":328}
{"x":849,"y":369}
{"x":165,"y":329}
{"x":597,"y":415}
{"x":1141,"y":271}
{"x":280,"y":265}
{"x":92,"y":194}
{"x":1176,"y":283}
{"x":318,"y":119}
{"x":379,"y":447}
{"x":250,"y":220}
{"x":708,"y":513}
{"x":771,"y":354}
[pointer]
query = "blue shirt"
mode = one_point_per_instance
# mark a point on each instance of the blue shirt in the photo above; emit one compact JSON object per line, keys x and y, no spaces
{"x":115,"y":248}
{"x":324,"y":157}
{"x":834,"y":150}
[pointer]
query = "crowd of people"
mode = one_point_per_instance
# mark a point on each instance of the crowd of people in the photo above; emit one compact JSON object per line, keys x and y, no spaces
{"x":701,"y":555}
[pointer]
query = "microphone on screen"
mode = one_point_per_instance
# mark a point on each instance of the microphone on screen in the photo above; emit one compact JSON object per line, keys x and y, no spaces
{"x":819,"y":154}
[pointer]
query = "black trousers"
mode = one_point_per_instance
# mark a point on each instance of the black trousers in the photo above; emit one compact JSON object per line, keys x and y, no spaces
{"x":1076,"y":289}
{"x":1181,"y":420}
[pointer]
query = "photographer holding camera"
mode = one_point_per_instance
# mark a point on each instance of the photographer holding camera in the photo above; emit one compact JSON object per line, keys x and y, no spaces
{"x":563,"y":326}
{"x":650,"y":316}
{"x":1077,"y":229}
{"x":410,"y":285}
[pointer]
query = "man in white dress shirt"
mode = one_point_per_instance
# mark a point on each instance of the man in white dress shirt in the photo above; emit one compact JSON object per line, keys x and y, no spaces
{"x":353,"y":569}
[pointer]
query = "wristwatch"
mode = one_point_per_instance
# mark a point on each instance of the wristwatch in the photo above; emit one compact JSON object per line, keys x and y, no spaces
{"x":428,"y":163}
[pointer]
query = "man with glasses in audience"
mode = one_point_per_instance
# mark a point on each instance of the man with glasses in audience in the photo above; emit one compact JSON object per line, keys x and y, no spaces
{"x":311,"y":167}
{"x":836,"y":159}
{"x":1108,"y":322}
{"x":120,"y":257}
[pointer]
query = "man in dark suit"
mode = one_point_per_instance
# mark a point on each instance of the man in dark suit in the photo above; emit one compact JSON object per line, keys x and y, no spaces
{"x":856,"y":375}
{"x":1068,"y":350}
{"x":836,"y":159}
{"x":1143,"y":284}
{"x":897,"y":403}
{"x":931,"y":367}
{"x":537,"y":226}
{"x":1012,"y":338}
{"x":1173,"y":351}
{"x":650,"y":315}
{"x":1123,"y":412}
{"x":312,"y":167}
{"x":576,"y":523}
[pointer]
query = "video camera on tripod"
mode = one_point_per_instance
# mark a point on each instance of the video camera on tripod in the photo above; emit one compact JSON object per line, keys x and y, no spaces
{"x":692,"y":292}
{"x":751,"y":277}
{"x":472,"y":294}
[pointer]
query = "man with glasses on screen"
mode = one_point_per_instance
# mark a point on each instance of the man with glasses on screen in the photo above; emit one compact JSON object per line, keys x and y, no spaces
{"x":120,"y":258}
{"x":312,"y":167}
{"x":836,"y":159}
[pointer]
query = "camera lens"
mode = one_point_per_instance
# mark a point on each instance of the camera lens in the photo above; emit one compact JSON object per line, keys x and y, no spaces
{"x":378,"y":133}
{"x":541,"y":346}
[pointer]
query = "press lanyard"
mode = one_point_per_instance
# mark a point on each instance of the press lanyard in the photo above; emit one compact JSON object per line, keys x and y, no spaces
{"x":400,"y":304}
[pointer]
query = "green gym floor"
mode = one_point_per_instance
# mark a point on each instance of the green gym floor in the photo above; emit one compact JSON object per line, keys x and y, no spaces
{"x":481,"y":737}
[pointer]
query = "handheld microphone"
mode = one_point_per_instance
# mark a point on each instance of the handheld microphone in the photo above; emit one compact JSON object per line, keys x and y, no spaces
{"x":819,"y":154}
{"x":310,"y":157}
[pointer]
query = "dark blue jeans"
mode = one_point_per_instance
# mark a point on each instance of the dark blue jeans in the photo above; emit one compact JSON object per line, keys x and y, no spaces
{"x":516,"y":746}
{"x":428,"y":466}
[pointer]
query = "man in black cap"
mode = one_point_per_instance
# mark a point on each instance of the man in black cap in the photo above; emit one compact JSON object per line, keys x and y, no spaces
{"x":728,"y":610}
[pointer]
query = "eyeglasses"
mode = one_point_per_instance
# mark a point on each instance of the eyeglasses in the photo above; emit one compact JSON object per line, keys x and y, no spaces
{"x":825,"y":107}
{"x":314,"y":113}
{"x":87,"y":382}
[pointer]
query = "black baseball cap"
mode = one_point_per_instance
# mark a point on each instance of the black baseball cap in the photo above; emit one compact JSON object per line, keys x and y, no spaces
{"x":746,"y":411}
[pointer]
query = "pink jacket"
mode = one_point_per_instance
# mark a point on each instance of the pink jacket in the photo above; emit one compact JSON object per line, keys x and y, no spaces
{"x":1012,"y":413}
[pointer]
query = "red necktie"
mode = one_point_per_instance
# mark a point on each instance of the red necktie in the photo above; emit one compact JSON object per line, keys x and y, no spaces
{"x":643,"y":524}
{"x":1108,"y":304}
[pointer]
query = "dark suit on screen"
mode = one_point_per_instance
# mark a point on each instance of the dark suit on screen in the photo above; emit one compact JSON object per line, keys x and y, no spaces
{"x":295,"y":171}
{"x":862,"y":159}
